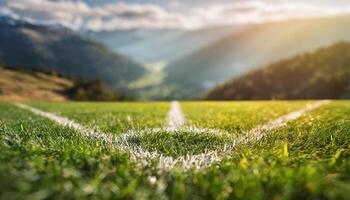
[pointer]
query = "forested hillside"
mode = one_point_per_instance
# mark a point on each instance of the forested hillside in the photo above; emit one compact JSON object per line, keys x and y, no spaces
{"x":324,"y":73}
{"x":253,"y":47}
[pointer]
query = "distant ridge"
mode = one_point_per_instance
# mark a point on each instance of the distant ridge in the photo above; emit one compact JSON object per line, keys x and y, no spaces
{"x":323,"y":74}
{"x":253,"y":47}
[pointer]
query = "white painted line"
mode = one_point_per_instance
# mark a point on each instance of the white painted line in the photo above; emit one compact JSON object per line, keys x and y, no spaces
{"x":259,"y":132}
{"x":166,"y":163}
{"x":91,"y":133}
{"x":175,"y":116}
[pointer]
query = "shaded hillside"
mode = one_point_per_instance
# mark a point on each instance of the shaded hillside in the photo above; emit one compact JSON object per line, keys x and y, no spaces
{"x":26,"y":46}
{"x":253,"y":47}
{"x":324,"y":74}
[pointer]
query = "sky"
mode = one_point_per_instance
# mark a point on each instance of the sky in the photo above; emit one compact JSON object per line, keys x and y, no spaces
{"x":110,"y":15}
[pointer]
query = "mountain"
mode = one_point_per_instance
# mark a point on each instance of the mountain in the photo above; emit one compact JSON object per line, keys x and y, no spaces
{"x":252,"y":47}
{"x":323,"y":74}
{"x":26,"y":46}
{"x":160,"y":45}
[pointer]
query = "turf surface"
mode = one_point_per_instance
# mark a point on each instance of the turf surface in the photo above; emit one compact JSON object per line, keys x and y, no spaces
{"x":306,"y":159}
{"x":236,"y":117}
{"x":115,"y":118}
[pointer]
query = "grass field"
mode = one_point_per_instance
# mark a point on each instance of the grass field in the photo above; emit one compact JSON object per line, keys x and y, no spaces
{"x":163,"y":150}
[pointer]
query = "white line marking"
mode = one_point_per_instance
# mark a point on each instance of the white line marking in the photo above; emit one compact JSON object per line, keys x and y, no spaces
{"x":259,"y":132}
{"x":91,"y":133}
{"x":166,"y":163}
{"x":175,"y":116}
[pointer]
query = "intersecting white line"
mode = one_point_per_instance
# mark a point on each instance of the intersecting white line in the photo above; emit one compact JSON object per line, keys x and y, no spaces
{"x":175,"y":116}
{"x":143,"y":157}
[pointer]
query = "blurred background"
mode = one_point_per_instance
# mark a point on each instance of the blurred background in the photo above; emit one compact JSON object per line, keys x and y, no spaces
{"x":109,"y":50}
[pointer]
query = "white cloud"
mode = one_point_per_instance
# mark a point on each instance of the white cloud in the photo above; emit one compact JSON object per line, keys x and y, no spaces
{"x":120,"y":15}
{"x":79,"y":15}
{"x":259,"y":11}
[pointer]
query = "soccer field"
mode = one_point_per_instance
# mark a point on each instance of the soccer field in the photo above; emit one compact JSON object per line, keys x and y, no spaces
{"x":175,"y":150}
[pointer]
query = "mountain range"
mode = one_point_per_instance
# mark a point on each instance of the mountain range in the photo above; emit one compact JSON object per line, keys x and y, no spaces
{"x":25,"y":45}
{"x":194,"y":60}
{"x":250,"y":48}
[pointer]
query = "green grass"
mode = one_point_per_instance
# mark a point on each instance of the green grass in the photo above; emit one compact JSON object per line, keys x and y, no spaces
{"x":236,"y":116}
{"x":180,"y":143}
{"x":309,"y":158}
{"x":113,"y":118}
{"x":40,"y":160}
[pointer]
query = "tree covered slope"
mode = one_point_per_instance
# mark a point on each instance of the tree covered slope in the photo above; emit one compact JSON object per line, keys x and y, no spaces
{"x":324,"y":73}
{"x":253,"y":47}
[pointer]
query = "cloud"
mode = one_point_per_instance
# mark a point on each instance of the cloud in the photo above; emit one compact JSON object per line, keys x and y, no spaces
{"x":78,"y":15}
{"x":127,"y":16}
{"x":261,"y":11}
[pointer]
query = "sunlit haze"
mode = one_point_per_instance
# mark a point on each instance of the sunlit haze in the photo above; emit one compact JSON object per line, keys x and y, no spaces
{"x":108,"y":15}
